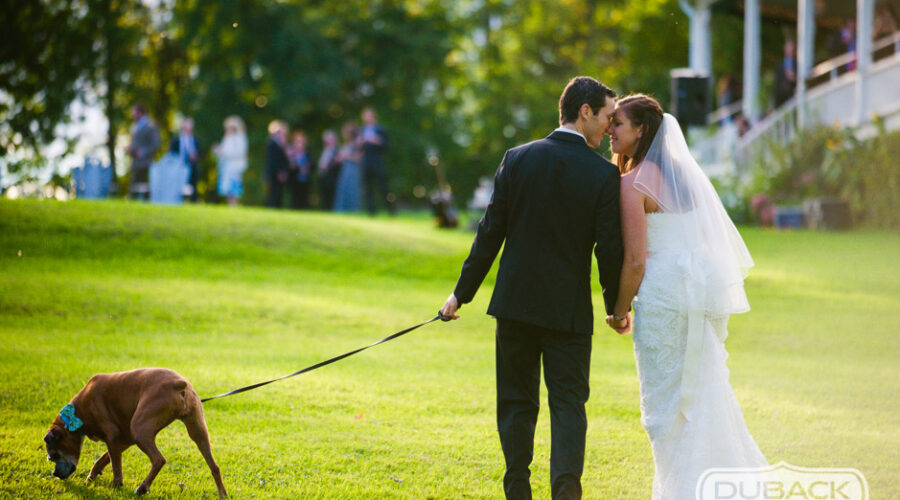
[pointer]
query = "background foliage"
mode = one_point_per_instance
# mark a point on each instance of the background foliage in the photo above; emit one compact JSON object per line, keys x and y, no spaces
{"x":456,"y":82}
{"x":824,"y":162}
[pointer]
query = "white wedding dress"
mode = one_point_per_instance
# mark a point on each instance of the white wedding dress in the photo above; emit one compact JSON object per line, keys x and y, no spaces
{"x":687,"y":405}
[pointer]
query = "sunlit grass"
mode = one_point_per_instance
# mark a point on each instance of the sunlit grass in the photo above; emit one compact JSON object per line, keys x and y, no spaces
{"x":229,"y":297}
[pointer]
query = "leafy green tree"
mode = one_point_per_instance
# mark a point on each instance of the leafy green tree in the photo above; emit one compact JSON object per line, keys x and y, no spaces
{"x":455,"y":82}
{"x":315,"y":65}
{"x":41,"y":66}
{"x":57,"y":51}
{"x":517,"y":56}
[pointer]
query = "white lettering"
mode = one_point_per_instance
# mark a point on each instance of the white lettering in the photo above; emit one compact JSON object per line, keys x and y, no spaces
{"x":812,"y":488}
{"x":797,"y":489}
{"x":774,"y":489}
{"x":838,"y":490}
{"x":721,"y":495}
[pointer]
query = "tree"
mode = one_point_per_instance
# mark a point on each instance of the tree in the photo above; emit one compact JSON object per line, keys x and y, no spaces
{"x":515,"y":58}
{"x":42,"y":70}
{"x":454,"y":81}
{"x":55,"y":51}
{"x":316,"y":65}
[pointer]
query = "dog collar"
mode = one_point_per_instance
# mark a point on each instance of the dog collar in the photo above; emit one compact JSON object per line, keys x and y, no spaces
{"x":73,"y":423}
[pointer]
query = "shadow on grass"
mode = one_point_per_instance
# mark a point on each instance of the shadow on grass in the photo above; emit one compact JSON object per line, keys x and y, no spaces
{"x":100,"y":488}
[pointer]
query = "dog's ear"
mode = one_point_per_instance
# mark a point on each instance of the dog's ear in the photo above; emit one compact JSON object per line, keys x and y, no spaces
{"x":51,"y":438}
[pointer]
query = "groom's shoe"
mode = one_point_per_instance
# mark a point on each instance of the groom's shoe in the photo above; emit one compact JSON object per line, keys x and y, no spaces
{"x":566,"y":487}
{"x":517,"y":488}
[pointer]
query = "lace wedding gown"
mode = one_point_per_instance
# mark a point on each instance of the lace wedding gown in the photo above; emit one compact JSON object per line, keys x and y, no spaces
{"x":687,"y":405}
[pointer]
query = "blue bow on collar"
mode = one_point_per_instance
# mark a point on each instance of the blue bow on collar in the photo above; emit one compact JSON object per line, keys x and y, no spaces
{"x":73,"y":423}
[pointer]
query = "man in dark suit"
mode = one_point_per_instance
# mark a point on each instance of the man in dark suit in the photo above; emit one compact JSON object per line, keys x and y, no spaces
{"x":554,"y":201}
{"x":277,"y":164}
{"x":329,"y":170}
{"x":185,"y":145}
{"x":374,"y":140}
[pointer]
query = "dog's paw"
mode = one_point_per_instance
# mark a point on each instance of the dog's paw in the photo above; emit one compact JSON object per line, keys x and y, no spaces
{"x":141,"y":490}
{"x":117,"y":483}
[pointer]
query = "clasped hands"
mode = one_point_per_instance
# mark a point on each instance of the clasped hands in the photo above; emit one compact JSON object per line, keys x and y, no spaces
{"x":622,"y":326}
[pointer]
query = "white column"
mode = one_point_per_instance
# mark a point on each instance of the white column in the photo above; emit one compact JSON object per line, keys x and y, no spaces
{"x":865,"y":13}
{"x":700,"y":16}
{"x":806,"y":33}
{"x":752,"y":52}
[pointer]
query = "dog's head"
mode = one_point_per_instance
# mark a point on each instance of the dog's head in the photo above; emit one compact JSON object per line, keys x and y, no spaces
{"x":63,"y":448}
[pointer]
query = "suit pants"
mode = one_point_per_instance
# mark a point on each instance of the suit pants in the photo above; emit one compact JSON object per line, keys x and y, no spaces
{"x":375,"y":176}
{"x":299,"y":194}
{"x":521,"y":349}
{"x":192,"y":180}
{"x":140,"y":182}
{"x":276,"y":190}
{"x":327,"y":187}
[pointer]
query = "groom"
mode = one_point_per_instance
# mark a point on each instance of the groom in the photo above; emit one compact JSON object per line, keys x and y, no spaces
{"x":554,"y":201}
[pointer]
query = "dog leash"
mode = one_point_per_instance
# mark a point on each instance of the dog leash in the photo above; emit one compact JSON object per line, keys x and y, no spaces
{"x":328,"y":361}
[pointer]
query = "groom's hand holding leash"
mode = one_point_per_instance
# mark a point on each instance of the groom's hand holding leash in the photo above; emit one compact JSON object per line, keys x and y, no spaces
{"x":450,"y":307}
{"x":621,"y":324}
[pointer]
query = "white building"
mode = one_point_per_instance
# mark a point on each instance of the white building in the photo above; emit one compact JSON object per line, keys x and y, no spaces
{"x":851,"y":89}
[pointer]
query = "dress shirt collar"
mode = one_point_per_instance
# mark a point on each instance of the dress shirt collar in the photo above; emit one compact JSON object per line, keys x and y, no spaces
{"x":564,"y":129}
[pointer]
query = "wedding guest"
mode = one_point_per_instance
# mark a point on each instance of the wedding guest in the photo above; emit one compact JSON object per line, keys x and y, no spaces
{"x":186,"y":147}
{"x":300,"y":171}
{"x":743,"y":126}
{"x":885,"y":22}
{"x":144,"y":145}
{"x":277,"y":164}
{"x":346,"y":196}
{"x":329,"y":170}
{"x":232,"y":154}
{"x":374,"y":141}
{"x":786,"y":74}
{"x":725,"y":95}
{"x":848,"y":38}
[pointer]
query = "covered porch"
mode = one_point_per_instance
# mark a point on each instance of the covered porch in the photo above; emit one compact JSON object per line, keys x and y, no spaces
{"x":851,"y":87}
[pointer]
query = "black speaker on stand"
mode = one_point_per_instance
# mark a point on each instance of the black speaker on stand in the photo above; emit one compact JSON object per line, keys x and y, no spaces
{"x":690,"y":96}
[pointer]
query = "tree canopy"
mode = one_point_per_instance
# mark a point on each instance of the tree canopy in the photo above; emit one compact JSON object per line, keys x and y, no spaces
{"x":454,"y":82}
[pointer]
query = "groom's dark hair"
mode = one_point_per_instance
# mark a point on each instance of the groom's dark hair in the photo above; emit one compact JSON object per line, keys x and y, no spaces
{"x":582,"y":90}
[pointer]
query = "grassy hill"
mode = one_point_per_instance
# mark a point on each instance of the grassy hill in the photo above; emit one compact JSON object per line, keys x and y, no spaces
{"x":229,"y":297}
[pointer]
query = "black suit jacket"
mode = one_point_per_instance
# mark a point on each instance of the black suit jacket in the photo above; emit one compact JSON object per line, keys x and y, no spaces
{"x":276,"y":160}
{"x":373,"y":154}
{"x":554,"y":201}
{"x":175,"y":147}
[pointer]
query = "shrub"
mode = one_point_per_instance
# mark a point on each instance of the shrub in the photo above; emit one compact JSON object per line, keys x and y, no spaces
{"x":830,"y":162}
{"x":869,"y":177}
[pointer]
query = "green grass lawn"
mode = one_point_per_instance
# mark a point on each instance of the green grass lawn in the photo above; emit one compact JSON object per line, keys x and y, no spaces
{"x":229,"y":297}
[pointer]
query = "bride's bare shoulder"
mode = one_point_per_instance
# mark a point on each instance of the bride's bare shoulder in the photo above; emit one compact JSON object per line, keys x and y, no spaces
{"x":627,"y":189}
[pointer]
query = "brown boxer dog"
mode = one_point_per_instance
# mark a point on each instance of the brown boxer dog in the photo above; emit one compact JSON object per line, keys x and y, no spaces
{"x":126,"y":408}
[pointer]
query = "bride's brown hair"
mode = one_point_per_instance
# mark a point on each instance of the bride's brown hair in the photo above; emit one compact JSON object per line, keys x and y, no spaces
{"x":645,"y":112}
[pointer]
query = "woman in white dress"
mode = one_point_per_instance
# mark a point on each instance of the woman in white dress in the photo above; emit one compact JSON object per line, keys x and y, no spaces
{"x":684,"y":268}
{"x":232,"y":154}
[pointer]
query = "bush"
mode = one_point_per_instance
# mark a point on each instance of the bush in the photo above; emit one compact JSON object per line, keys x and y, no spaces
{"x":789,"y":173}
{"x":830,"y":162}
{"x":870,"y":177}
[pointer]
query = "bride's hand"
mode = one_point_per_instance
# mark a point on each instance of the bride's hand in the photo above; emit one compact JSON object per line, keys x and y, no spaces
{"x":623,"y":326}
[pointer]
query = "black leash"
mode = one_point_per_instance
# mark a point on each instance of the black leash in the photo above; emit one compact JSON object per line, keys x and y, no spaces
{"x":328,"y":361}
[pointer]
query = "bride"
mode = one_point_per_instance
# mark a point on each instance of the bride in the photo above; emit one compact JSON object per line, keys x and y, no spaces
{"x":685,"y":265}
